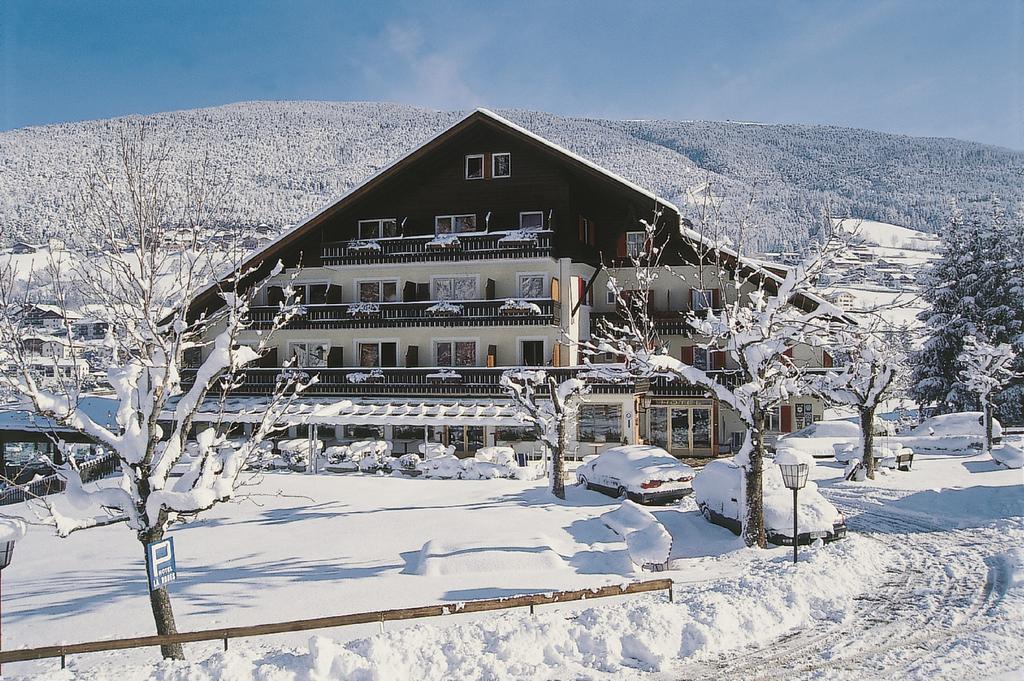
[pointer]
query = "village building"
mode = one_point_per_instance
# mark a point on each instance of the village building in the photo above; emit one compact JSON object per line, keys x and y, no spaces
{"x":485,"y":249}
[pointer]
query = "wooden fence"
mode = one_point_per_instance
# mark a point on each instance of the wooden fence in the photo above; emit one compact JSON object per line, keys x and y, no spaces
{"x":376,"y":616}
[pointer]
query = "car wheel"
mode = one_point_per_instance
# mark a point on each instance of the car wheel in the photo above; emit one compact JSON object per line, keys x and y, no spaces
{"x":582,"y":481}
{"x":623,"y":494}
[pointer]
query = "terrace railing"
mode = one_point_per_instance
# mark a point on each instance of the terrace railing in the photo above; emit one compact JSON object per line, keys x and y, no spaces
{"x":470,"y":246}
{"x":422,"y":313}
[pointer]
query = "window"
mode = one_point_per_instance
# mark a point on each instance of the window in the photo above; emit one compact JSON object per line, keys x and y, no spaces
{"x":366,"y":432}
{"x":453,"y":224}
{"x":377,"y":354}
{"x":610,"y":297}
{"x":381,"y":291}
{"x":533,"y":219}
{"x":316,"y":294}
{"x":531,"y":285}
{"x":635,"y":243}
{"x":532,"y":352}
{"x":515,"y":434}
{"x":454,"y":288}
{"x":775,"y":420}
{"x":701,"y":299}
{"x":501,"y":165}
{"x":376,"y":229}
{"x":588,"y":231}
{"x":310,"y":355}
{"x":455,"y":353}
{"x":700,"y":358}
{"x":475,"y":167}
{"x":600,"y":423}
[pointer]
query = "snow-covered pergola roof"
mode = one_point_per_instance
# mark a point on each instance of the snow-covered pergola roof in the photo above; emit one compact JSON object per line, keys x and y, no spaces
{"x":335,"y":411}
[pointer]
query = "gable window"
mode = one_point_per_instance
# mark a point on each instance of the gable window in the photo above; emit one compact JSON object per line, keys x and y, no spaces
{"x":381,"y":291}
{"x":377,"y":354}
{"x":455,"y":353}
{"x":533,"y":219}
{"x":501,"y":165}
{"x":475,"y":167}
{"x":449,"y":224}
{"x":702,"y":299}
{"x":635,"y":242}
{"x":531,"y":285}
{"x":454,"y":288}
{"x":309,"y":354}
{"x":377,"y":229}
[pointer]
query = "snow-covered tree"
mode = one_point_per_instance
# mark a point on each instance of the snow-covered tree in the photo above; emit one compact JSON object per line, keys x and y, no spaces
{"x":988,"y":367}
{"x":873,"y":364}
{"x":142,"y":290}
{"x":762,"y":317}
{"x":977,"y":286}
{"x":552,"y":415}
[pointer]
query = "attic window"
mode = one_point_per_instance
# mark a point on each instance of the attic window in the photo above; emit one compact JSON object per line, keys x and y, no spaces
{"x":375,"y":229}
{"x":475,"y":167}
{"x":501,"y":165}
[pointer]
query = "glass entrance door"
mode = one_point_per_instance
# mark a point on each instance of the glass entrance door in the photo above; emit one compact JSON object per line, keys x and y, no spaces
{"x":680,"y":429}
{"x":683,"y":430}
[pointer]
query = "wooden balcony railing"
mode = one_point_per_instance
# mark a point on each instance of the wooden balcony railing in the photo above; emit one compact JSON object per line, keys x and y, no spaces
{"x":472,"y":246}
{"x":422,"y":313}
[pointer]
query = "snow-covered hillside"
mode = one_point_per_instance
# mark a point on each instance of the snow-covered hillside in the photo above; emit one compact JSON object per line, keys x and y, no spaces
{"x":285,"y":159}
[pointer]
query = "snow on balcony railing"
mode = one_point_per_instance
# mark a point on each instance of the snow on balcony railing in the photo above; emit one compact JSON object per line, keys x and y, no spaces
{"x":463,"y":246}
{"x":533,"y":311}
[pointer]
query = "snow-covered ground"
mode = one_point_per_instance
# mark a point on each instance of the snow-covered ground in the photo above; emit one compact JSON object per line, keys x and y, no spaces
{"x":928,"y":585}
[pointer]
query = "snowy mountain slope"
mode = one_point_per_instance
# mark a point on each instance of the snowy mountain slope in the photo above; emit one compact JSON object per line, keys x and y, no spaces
{"x":286,"y":159}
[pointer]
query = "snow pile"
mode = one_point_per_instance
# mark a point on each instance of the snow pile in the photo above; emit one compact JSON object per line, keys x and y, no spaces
{"x":444,"y":241}
{"x":438,"y":558}
{"x":518,"y":306}
{"x":372,"y":376}
{"x":648,"y":542}
{"x":364,"y":247}
{"x":445,"y":375}
{"x":444,"y":309}
{"x":11,"y":529}
{"x":1013,"y":560}
{"x":1010,"y":453}
{"x":647,"y":633}
{"x":432,"y":449}
{"x":442,"y":467}
{"x":363,"y":309}
{"x":519,"y":236}
{"x":967,"y":423}
{"x":792,"y":455}
{"x":502,"y":455}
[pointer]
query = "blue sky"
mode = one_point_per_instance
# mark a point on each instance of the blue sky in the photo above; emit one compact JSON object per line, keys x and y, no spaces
{"x":922,"y":68}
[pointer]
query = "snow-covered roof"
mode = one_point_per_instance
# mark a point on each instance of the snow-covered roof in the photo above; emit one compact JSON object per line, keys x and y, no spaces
{"x":334,"y":411}
{"x":102,"y":410}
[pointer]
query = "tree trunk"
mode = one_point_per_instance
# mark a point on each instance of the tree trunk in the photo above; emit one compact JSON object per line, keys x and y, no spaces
{"x":987,"y":405}
{"x":558,"y":462}
{"x":753,"y":528}
{"x":867,"y":432}
{"x":160,"y":602}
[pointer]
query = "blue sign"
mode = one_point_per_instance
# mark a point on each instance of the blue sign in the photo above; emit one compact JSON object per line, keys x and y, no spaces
{"x":160,"y":563}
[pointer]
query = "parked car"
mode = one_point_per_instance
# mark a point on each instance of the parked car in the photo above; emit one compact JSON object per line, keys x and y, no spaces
{"x":719,"y":487}
{"x":643,"y":473}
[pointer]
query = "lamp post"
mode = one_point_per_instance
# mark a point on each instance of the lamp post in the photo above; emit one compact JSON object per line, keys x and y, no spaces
{"x":794,"y":476}
{"x":16,"y":531}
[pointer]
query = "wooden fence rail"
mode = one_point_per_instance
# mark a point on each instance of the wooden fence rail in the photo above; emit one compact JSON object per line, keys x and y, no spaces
{"x":381,"y":616}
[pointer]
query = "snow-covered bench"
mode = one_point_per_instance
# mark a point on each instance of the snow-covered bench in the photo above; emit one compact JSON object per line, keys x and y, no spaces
{"x":648,"y":542}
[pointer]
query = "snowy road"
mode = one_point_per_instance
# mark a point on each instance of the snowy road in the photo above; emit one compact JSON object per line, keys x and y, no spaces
{"x":938,"y":612}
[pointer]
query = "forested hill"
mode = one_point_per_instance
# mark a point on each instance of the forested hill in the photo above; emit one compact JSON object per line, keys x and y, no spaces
{"x":286,"y":159}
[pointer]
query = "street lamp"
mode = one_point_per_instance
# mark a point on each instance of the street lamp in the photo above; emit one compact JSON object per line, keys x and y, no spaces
{"x":794,"y":476}
{"x":11,"y":530}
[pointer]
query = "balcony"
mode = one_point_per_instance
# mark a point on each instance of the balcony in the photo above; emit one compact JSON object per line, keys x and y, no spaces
{"x":669,"y":323}
{"x":536,"y":312}
{"x":428,"y":248}
{"x":437,"y":382}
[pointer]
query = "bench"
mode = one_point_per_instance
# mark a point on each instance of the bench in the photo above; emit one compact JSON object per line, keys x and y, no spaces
{"x":904,"y":461}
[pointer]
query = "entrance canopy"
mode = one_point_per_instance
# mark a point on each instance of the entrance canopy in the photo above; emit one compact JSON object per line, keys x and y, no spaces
{"x":328,"y":411}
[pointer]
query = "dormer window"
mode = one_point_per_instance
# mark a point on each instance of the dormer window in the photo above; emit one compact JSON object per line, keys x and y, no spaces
{"x":533,"y":219}
{"x":501,"y":165}
{"x":376,"y":229}
{"x":475,"y":167}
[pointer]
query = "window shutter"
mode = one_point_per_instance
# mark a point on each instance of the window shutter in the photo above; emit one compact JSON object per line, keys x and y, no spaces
{"x":409,"y":292}
{"x":788,"y":353}
{"x":556,"y":355}
{"x":686,"y":354}
{"x":581,"y":225}
{"x":787,"y":419}
{"x":422,"y":291}
{"x":718,"y":359}
{"x":689,"y":298}
{"x":489,"y":290}
{"x":336,"y":357}
{"x":492,"y":356}
{"x":334,"y":294}
{"x":269,"y":359}
{"x":716,"y":298}
{"x":826,"y":360}
{"x":620,"y":246}
{"x":275,"y":295}
{"x":412,"y":356}
{"x":581,"y":286}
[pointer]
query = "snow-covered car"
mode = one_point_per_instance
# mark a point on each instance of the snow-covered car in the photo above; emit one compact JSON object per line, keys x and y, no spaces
{"x":967,"y":425}
{"x":643,"y":473}
{"x":718,"y":489}
{"x":821,"y":439}
{"x":1010,"y":453}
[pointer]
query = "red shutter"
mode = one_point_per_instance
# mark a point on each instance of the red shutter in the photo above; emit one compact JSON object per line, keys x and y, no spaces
{"x":582,"y":230}
{"x":620,"y":246}
{"x":788,"y":353}
{"x":689,"y":298}
{"x":826,"y":360}
{"x":716,"y":298}
{"x":580,"y":286}
{"x":718,"y":359}
{"x":787,"y":419}
{"x":686,"y":354}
